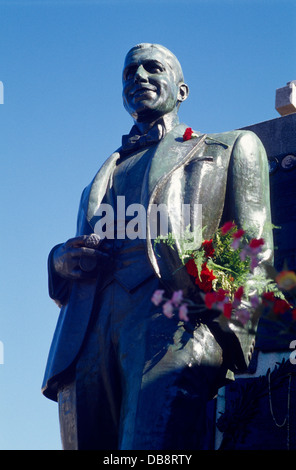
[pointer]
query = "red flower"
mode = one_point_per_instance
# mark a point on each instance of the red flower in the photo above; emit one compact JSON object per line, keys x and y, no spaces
{"x":268,"y":296}
{"x":204,"y":281}
{"x":239,"y":293}
{"x":280,"y":306}
{"x":206,"y":278}
{"x":221,"y":294}
{"x":294,"y":314}
{"x":256,"y":242}
{"x":227,"y":310}
{"x":238,"y":234}
{"x":208,"y":248}
{"x":227,"y":227}
{"x":213,"y":297}
{"x":210,"y":299}
{"x":187,"y":134}
{"x":191,"y":268}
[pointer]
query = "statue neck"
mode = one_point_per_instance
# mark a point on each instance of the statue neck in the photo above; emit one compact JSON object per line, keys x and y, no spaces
{"x":168,"y":122}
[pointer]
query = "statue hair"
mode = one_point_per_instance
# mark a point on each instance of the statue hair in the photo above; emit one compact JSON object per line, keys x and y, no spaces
{"x":171,"y":58}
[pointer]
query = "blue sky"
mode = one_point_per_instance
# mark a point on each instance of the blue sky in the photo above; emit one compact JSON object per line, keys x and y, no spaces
{"x":61,"y":63}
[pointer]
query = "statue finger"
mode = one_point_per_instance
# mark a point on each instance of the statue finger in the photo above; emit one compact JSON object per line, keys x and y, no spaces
{"x":91,"y":241}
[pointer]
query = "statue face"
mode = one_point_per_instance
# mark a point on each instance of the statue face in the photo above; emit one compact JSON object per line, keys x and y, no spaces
{"x":150,"y":88}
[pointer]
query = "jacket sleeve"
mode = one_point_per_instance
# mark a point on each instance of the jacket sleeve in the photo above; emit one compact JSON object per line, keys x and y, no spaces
{"x":248,"y":194}
{"x":59,"y":287}
{"x":248,"y":204}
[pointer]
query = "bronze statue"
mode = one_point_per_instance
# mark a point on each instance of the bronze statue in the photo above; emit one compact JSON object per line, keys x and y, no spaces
{"x":125,"y":376}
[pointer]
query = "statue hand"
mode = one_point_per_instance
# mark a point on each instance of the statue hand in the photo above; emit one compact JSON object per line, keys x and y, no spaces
{"x":79,"y":257}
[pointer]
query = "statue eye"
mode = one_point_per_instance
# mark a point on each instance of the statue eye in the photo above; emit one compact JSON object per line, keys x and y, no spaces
{"x":153,"y":67}
{"x":129,"y":73}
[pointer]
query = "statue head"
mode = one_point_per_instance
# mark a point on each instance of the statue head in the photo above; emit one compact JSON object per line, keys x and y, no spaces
{"x":153,"y":83}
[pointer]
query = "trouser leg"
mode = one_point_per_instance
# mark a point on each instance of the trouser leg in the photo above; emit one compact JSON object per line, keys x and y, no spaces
{"x":67,"y":416}
{"x":141,"y":381}
{"x":169,"y":411}
{"x":88,"y":419}
{"x":91,"y":404}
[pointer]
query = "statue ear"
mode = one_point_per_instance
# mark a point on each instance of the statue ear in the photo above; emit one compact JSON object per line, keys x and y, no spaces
{"x":183,"y":92}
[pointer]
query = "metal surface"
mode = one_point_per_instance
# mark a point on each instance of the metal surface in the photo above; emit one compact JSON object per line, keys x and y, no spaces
{"x":141,"y":381}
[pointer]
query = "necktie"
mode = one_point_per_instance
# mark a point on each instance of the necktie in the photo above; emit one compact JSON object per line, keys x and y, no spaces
{"x":134,"y":141}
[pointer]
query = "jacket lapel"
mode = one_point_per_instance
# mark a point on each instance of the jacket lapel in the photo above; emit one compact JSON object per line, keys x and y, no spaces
{"x":171,"y":153}
{"x":99,"y":186}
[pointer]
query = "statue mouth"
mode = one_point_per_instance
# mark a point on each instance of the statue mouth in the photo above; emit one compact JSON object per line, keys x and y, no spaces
{"x":142,"y":90}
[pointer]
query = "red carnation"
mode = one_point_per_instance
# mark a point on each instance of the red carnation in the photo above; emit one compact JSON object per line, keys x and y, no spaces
{"x":227,"y":227}
{"x":239,"y":233}
{"x":256,"y":242}
{"x":204,"y":281}
{"x":208,"y":248}
{"x":280,"y":306}
{"x":187,"y":134}
{"x":210,"y":299}
{"x":221,"y":294}
{"x":214,"y":297}
{"x":191,"y":268}
{"x":268,"y":296}
{"x":227,"y":310}
{"x":239,"y":293}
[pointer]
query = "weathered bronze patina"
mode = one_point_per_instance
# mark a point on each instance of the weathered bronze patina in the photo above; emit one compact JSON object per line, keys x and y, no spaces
{"x":125,"y":376}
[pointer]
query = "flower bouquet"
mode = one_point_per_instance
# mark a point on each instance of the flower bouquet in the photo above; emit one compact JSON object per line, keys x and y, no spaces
{"x":223,"y":269}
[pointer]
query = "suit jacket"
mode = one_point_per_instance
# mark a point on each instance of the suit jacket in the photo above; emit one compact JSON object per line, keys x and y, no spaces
{"x":228,"y":174}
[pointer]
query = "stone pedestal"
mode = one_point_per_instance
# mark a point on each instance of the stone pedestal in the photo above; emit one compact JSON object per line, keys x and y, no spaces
{"x":245,"y":410}
{"x":285,"y":99}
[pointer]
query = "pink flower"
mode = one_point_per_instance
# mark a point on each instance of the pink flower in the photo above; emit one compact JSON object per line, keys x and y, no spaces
{"x":243,"y":315}
{"x":255,"y":302}
{"x":238,"y":297}
{"x":254,"y":262}
{"x":168,"y":309}
{"x":177,"y":297}
{"x":157,"y":297}
{"x":236,"y":238}
{"x":243,"y":254}
{"x":183,"y":313}
{"x":252,"y":252}
{"x":235,"y":244}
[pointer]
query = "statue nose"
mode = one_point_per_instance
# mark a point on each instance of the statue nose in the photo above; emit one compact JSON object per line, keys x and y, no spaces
{"x":141,"y":74}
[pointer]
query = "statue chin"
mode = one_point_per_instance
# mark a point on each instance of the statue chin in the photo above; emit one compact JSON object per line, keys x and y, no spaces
{"x":145,"y":114}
